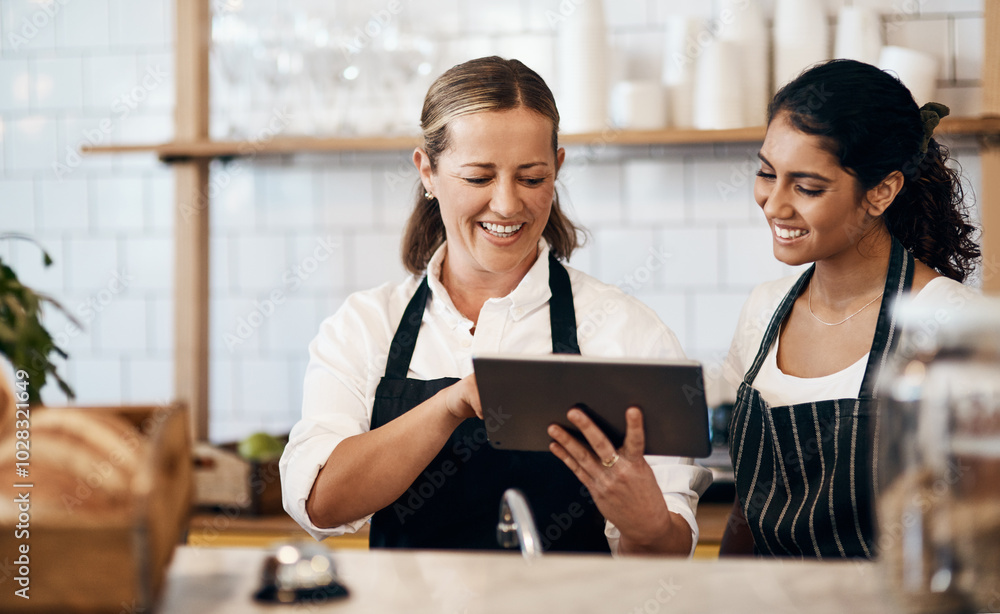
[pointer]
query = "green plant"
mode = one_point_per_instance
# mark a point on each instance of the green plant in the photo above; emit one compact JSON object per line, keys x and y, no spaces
{"x":23,"y":339}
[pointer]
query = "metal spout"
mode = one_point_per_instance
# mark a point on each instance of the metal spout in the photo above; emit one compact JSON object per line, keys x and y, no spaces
{"x":517,"y":525}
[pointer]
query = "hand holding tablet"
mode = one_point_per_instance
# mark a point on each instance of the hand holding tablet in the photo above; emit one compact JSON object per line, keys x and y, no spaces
{"x":525,"y":394}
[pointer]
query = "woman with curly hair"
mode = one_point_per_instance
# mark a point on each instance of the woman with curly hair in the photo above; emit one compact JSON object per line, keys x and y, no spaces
{"x":852,"y":181}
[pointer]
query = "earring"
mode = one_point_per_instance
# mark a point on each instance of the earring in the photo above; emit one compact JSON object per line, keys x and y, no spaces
{"x":428,"y":195}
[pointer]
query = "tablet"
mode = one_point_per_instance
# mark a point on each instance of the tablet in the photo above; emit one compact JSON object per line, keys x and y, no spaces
{"x":522,"y":395}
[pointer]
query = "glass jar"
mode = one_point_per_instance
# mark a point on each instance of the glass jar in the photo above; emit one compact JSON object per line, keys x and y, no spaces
{"x":938,"y":441}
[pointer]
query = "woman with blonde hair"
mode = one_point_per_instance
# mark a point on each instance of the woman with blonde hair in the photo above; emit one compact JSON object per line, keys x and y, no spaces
{"x":392,"y":427}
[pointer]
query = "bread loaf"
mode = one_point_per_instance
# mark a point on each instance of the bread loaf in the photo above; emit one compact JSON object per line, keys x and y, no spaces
{"x":81,"y":465}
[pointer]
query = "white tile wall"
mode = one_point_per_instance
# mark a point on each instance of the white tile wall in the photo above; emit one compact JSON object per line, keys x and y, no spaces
{"x":102,"y":70}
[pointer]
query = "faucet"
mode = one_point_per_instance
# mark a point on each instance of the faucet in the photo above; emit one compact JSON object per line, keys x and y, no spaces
{"x":517,"y":525}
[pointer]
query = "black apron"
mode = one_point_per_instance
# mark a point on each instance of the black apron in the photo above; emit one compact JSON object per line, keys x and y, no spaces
{"x":455,"y":502}
{"x":806,"y":473}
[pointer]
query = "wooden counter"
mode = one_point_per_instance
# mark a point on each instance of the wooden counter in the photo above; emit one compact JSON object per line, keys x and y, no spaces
{"x":222,"y":580}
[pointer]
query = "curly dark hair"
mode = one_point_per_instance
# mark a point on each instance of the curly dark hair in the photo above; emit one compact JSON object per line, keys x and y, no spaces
{"x":871,"y":123}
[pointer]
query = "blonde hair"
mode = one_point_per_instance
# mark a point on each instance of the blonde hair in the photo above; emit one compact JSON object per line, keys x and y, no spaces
{"x":483,"y":84}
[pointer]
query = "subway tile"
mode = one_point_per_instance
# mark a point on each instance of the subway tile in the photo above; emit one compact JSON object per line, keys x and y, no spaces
{"x":148,"y":380}
{"x":160,"y":322}
{"x":691,"y":256}
{"x":963,"y":101}
{"x":233,"y":190}
{"x":264,"y":386}
{"x":30,"y":266}
{"x":723,"y":189}
{"x":91,"y":263}
{"x":63,"y":205}
{"x":138,"y":23}
{"x":82,"y":24}
{"x":74,"y":131}
{"x":157,"y":78}
{"x":160,"y":199}
{"x":143,"y":130}
{"x":149,"y":262}
{"x":627,"y":258}
{"x":654,"y":191}
{"x":930,"y":36}
{"x":234,"y":326}
{"x":670,"y":305}
{"x":317,"y":263}
{"x":969,"y":45}
{"x":118,"y":203}
{"x":348,"y":200}
{"x":260,"y":262}
{"x":592,"y":189}
{"x":30,"y":143}
{"x":119,"y":323}
{"x":376,"y":259}
{"x":28,"y":26}
{"x":17,"y":207}
{"x":97,"y":380}
{"x":57,"y":84}
{"x":749,"y":257}
{"x":221,"y":278}
{"x":292,"y":326}
{"x":71,"y":331}
{"x":220,"y":391}
{"x":15,"y":85}
{"x":715,"y":315}
{"x":288,"y":198}
{"x":109,"y":79}
{"x":585,"y":258}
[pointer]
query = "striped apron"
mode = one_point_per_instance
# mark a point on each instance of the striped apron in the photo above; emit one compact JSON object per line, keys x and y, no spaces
{"x":806,"y":473}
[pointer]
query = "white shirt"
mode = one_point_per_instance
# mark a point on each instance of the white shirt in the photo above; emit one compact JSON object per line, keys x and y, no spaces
{"x":778,"y":388}
{"x":348,"y":358}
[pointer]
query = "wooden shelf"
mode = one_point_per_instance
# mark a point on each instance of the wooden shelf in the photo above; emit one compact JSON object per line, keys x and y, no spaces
{"x":961,"y":126}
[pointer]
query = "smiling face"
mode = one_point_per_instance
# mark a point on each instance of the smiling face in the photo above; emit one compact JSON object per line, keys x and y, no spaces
{"x":494,"y":185}
{"x":816,"y":209}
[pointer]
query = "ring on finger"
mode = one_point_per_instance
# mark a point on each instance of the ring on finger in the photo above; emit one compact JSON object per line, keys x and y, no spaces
{"x":611,"y":461}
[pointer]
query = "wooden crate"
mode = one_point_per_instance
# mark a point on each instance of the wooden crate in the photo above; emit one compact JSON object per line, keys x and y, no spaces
{"x":109,"y":567}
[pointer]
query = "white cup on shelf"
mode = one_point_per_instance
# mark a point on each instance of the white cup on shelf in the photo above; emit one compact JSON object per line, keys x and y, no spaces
{"x":639,"y":105}
{"x":917,"y":70}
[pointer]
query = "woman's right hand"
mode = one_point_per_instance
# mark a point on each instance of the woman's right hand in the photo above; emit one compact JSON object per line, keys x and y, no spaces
{"x":462,"y":398}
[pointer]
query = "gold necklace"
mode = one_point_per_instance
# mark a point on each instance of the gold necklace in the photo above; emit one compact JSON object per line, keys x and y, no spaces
{"x":810,"y":301}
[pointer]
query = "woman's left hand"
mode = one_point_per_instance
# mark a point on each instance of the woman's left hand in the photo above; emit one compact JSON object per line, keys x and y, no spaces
{"x":620,"y":481}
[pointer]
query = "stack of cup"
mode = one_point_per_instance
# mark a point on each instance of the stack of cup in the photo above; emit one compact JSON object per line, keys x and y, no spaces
{"x":859,"y":35}
{"x":582,"y":53}
{"x":801,"y":38}
{"x":918,"y":71}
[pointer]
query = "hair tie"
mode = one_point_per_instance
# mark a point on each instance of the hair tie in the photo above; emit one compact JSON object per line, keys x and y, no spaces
{"x":930,"y":116}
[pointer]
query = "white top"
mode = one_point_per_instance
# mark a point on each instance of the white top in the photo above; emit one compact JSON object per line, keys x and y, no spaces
{"x":779,"y":389}
{"x":348,"y":359}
